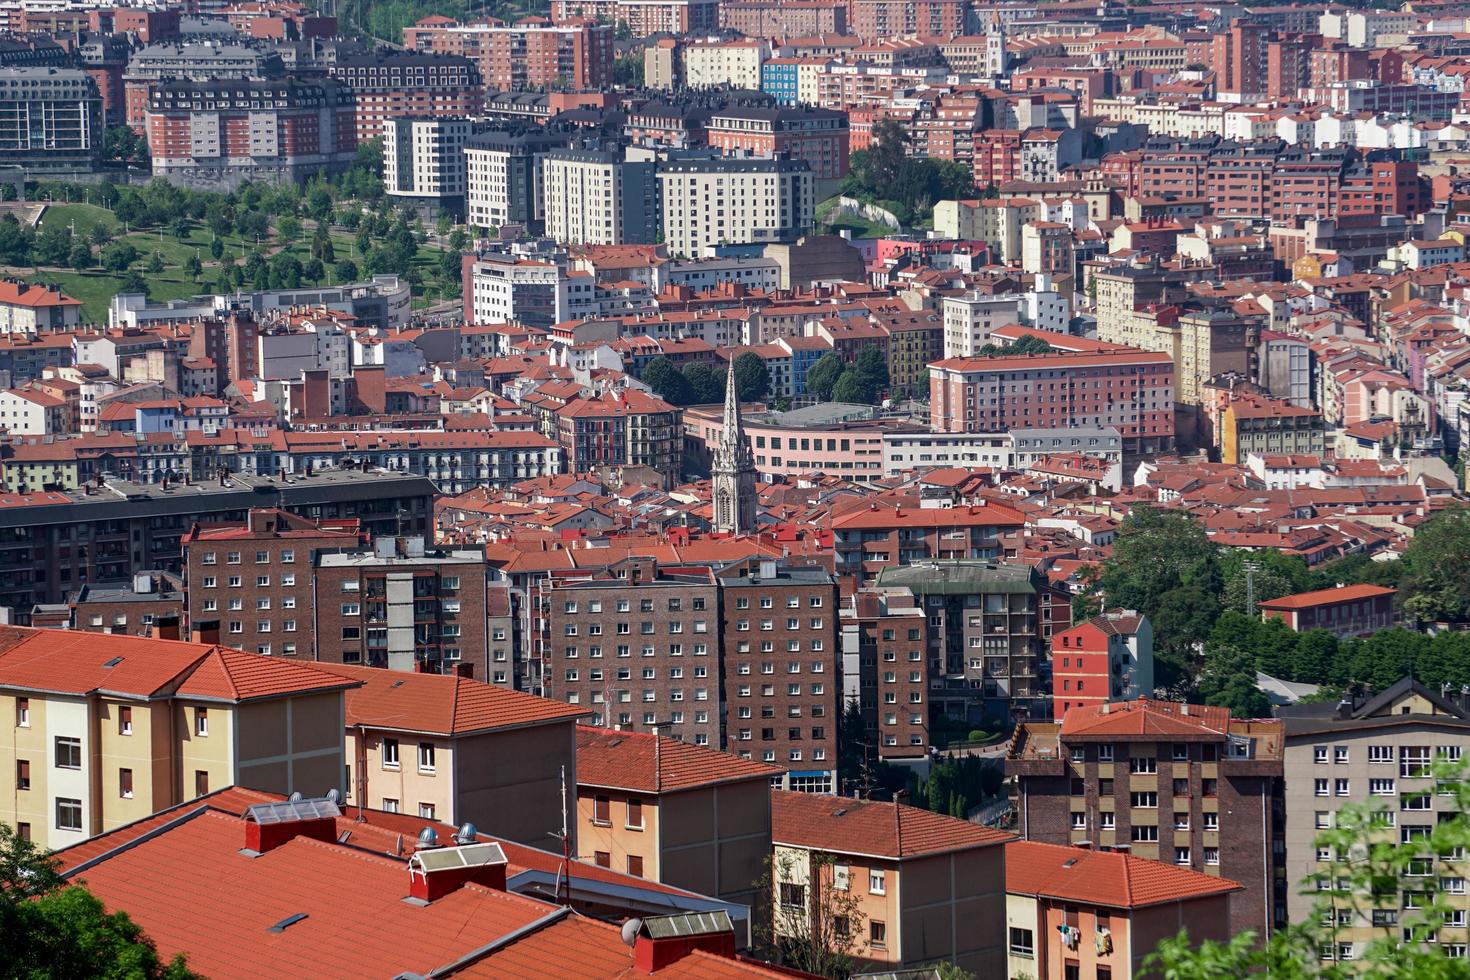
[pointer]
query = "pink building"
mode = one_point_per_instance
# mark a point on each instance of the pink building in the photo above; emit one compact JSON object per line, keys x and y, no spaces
{"x":1093,"y":384}
{"x":842,"y":440}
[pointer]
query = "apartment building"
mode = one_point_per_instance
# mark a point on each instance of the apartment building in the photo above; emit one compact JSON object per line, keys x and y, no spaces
{"x":1081,"y":383}
{"x":878,"y":20}
{"x":672,"y":812}
{"x":1079,"y":912}
{"x":818,"y":136}
{"x":53,"y":542}
{"x":712,"y":202}
{"x":1377,"y":751}
{"x":424,"y":162}
{"x":390,"y":83}
{"x":1345,"y":611}
{"x":50,"y":119}
{"x":1110,"y":657}
{"x":637,"y":644}
{"x":885,"y":669}
{"x":530,"y":54}
{"x":597,"y":197}
{"x":720,"y":63}
{"x":873,"y":536}
{"x":643,"y":17}
{"x":1181,"y":783}
{"x":457,"y":750}
{"x":986,"y":645}
{"x":197,"y":60}
{"x":403,"y":605}
{"x":250,"y":586}
{"x":782,"y":686}
{"x":1254,"y":424}
{"x":108,"y":730}
{"x":503,"y":177}
{"x":307,"y":129}
{"x":629,"y":428}
{"x":969,"y":319}
{"x":929,"y":888}
{"x":794,"y":18}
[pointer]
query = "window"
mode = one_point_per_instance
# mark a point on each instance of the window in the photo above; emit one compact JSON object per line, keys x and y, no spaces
{"x":1380,"y":753}
{"x":68,"y":814}
{"x":635,"y":865}
{"x":1212,"y":855}
{"x":390,"y":753}
{"x":426,"y":810}
{"x":1023,"y":943}
{"x":125,"y":783}
{"x":602,"y":811}
{"x":1319,"y":754}
{"x":23,"y":712}
{"x":1340,"y":787}
{"x":68,"y":753}
{"x":1145,"y":835}
{"x":201,"y":721}
{"x":1181,"y":855}
{"x":1079,"y":820}
{"x":1104,"y":753}
{"x":1377,"y":787}
{"x":124,"y":720}
{"x":22,"y":774}
{"x":1319,"y":787}
{"x":1340,"y":754}
{"x":426,"y":757}
{"x":635,"y":815}
{"x":390,"y":806}
{"x":201,"y":782}
{"x":875,"y":883}
{"x":793,"y":896}
{"x":877,"y":935}
{"x":1143,"y":765}
{"x":1144,"y":801}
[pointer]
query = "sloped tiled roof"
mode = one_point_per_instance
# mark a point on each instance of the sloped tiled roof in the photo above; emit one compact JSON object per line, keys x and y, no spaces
{"x":233,"y":675}
{"x":1145,"y":716}
{"x":625,"y":760}
{"x":442,"y":704}
{"x":1108,"y":878}
{"x":863,"y":827}
{"x":1327,"y":597}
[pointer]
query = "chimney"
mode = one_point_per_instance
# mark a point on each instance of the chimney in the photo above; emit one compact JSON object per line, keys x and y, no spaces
{"x":269,"y":825}
{"x":663,"y":940}
{"x":438,"y":871}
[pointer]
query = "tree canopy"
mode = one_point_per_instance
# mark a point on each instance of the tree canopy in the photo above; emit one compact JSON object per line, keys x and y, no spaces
{"x":908,"y":186}
{"x":51,"y":929}
{"x":752,"y":377}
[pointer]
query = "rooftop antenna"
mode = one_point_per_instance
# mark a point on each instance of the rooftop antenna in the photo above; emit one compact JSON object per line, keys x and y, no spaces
{"x":564,"y":872}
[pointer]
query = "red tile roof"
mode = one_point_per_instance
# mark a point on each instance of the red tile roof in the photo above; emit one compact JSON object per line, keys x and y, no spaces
{"x":193,"y":892}
{"x":1108,"y":878}
{"x":76,"y":662}
{"x":625,"y":760}
{"x":233,"y":675}
{"x":863,"y":827}
{"x":1328,"y":597}
{"x":1145,"y":716}
{"x":28,"y":294}
{"x":442,"y":704}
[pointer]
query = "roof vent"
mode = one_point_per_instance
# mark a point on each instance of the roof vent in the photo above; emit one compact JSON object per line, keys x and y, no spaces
{"x":432,"y":874}
{"x":287,"y":922}
{"x":113,"y":662}
{"x":428,"y":838}
{"x":467,"y":834}
{"x":295,"y":797}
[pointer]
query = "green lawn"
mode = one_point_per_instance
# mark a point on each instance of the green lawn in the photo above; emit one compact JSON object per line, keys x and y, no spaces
{"x":95,"y":288}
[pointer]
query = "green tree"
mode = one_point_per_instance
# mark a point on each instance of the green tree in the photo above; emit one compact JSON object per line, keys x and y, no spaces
{"x":118,"y":256}
{"x":51,"y":929}
{"x":850,"y":387}
{"x":193,"y":267}
{"x":80,"y":257}
{"x":1228,"y":680}
{"x":628,"y":70}
{"x":752,"y":377}
{"x":1435,"y":583}
{"x":668,"y":382}
{"x":801,"y":920}
{"x":155,"y":263}
{"x":450,"y":267}
{"x":313,"y":271}
{"x":822,"y":376}
{"x":872,"y":369}
{"x":288,"y":229}
{"x":708,"y":384}
{"x":100,"y":233}
{"x":52,"y":245}
{"x":345,"y":271}
{"x":217,"y":249}
{"x":285,"y":271}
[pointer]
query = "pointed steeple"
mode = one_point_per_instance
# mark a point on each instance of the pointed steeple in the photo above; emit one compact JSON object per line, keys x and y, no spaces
{"x":733,"y":470}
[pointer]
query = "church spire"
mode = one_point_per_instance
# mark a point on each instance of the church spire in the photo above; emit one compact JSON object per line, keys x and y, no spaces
{"x":733,"y":470}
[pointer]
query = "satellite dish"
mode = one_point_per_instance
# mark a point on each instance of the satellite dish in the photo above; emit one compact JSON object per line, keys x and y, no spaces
{"x":630,"y":931}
